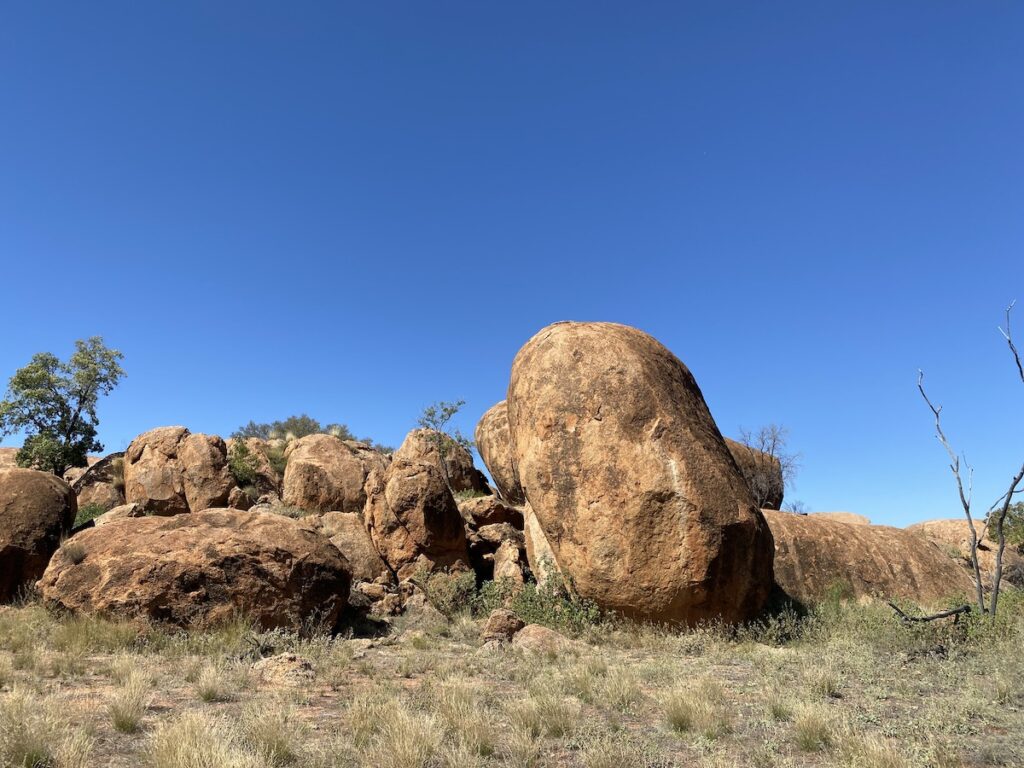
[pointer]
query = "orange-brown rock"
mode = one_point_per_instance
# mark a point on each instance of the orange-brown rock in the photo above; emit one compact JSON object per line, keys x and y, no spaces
{"x":325,"y":474}
{"x":169,"y":471}
{"x":347,"y":532}
{"x":630,"y":480}
{"x":201,"y":569}
{"x":36,"y":509}
{"x":489,"y":510}
{"x":816,"y":557}
{"x":102,"y":483}
{"x":762,"y":471}
{"x":495,"y":447}
{"x":539,"y":554}
{"x":843,"y":517}
{"x":457,"y":465}
{"x":413,"y":520}
{"x":954,"y":538}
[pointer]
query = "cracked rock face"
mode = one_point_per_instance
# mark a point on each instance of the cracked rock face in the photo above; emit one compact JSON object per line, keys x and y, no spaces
{"x":413,"y":519}
{"x":201,"y":569}
{"x":629,"y":479}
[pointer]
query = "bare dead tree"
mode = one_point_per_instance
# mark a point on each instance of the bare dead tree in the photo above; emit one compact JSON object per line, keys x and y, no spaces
{"x":965,"y":496}
{"x":996,"y":516}
{"x":770,"y":467}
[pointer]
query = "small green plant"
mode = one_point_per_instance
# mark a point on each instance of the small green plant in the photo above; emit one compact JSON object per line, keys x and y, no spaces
{"x":88,"y":512}
{"x":468,"y":494}
{"x":434,"y":420}
{"x":450,"y":593}
{"x":242,"y":464}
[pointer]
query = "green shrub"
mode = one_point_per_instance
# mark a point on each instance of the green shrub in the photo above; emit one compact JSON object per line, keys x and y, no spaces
{"x":450,"y":593}
{"x":88,"y":512}
{"x":242,"y":464}
{"x":551,"y":605}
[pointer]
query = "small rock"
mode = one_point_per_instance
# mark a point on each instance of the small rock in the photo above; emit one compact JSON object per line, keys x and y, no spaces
{"x":501,"y":625}
{"x":285,"y":669}
{"x":535,"y":638}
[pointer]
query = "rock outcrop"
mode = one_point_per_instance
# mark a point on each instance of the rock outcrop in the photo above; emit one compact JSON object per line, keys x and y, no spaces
{"x":102,"y":484}
{"x":256,"y":452}
{"x":36,"y":509}
{"x":842,"y":517}
{"x":347,"y":532}
{"x":422,"y":445}
{"x":630,"y":480}
{"x":489,"y":510}
{"x":495,"y":447}
{"x":762,"y":471}
{"x":413,"y":520}
{"x":816,"y":558}
{"x":954,"y":538}
{"x":170,"y":471}
{"x":201,"y":569}
{"x":325,"y":474}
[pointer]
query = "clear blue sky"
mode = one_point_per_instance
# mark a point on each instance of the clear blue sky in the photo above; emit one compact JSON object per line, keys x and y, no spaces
{"x":354,"y":209}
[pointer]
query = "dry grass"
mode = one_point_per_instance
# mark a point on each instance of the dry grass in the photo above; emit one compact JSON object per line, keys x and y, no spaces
{"x":848,"y":687}
{"x":128,"y":704}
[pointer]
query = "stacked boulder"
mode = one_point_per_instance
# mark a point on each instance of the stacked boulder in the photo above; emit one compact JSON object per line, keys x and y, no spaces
{"x":495,"y":447}
{"x":102,"y":484}
{"x":455,"y":465}
{"x":170,"y":471}
{"x":497,"y":546}
{"x":326,"y":474}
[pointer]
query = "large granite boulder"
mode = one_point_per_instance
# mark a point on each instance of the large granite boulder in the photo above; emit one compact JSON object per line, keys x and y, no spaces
{"x":816,"y":558}
{"x":36,"y":509}
{"x":630,"y":480}
{"x":326,"y":474}
{"x":495,"y":448}
{"x":413,"y":520}
{"x":423,"y":445}
{"x":201,"y":569}
{"x":169,"y":471}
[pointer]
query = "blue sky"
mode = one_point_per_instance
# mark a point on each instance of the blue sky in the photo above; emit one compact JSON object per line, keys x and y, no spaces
{"x":354,"y":209}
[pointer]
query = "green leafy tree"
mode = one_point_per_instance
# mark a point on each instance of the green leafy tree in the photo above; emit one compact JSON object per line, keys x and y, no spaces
{"x":54,"y":404}
{"x":436,"y":419}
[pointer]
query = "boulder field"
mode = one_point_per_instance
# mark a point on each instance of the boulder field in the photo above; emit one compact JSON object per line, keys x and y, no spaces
{"x":610,"y":477}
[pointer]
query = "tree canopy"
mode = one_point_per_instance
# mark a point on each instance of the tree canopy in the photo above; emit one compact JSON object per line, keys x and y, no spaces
{"x":294,"y":427}
{"x":54,"y":404}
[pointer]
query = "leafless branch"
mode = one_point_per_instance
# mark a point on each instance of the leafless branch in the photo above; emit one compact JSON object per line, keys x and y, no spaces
{"x":940,"y":615}
{"x":965,"y":496}
{"x":1007,"y":334}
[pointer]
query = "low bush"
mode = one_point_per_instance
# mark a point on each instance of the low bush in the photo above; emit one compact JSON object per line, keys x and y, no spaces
{"x":88,"y":512}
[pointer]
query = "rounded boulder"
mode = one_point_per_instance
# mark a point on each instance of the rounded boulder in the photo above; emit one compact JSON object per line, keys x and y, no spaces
{"x":36,"y":509}
{"x":629,"y":478}
{"x":202,"y":569}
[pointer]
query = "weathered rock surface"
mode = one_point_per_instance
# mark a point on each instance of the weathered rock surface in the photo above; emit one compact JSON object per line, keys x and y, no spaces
{"x":630,"y":479}
{"x":169,"y":471}
{"x":422,"y":445}
{"x":815,"y":556}
{"x":325,"y":474}
{"x":36,"y":509}
{"x":488,"y":510}
{"x":495,"y":447}
{"x":762,"y":472}
{"x":539,"y":554}
{"x":536,"y":638}
{"x":497,"y":551}
{"x":102,"y":483}
{"x":200,"y":569}
{"x":347,"y":532}
{"x":117,"y":513}
{"x":954,"y":538}
{"x":413,"y":520}
{"x":501,"y":625}
{"x":842,"y":517}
